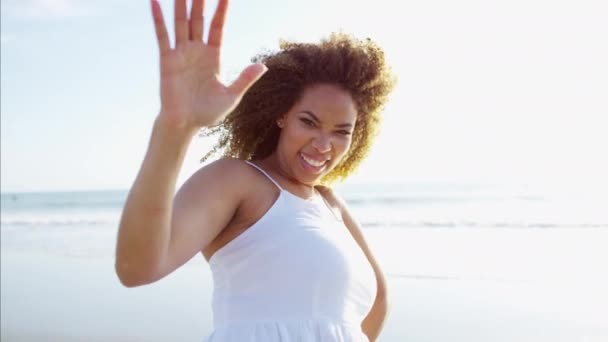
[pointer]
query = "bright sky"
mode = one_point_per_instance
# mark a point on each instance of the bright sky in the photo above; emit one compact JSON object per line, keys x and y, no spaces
{"x":499,"y":91}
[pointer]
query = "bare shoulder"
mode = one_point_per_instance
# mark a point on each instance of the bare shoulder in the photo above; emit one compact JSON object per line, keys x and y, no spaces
{"x":328,"y":193}
{"x":334,"y":199}
{"x":341,"y":205}
{"x":214,"y":192}
{"x":228,"y":173}
{"x":225,"y":166}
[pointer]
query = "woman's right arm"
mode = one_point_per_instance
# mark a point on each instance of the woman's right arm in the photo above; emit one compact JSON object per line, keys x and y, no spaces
{"x":145,"y":228}
{"x":157,"y":232}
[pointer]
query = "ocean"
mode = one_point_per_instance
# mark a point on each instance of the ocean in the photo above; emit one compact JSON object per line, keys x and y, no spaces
{"x":449,"y":228}
{"x":463,"y":262}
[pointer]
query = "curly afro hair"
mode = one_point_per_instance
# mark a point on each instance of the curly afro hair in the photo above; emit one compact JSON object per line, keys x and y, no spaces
{"x":250,"y":132}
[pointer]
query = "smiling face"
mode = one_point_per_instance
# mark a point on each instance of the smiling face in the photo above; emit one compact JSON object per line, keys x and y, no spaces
{"x":315,"y":134}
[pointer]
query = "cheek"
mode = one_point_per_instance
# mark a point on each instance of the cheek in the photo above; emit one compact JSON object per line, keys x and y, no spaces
{"x":293,"y":138}
{"x":342,"y":146}
{"x":301,"y":135}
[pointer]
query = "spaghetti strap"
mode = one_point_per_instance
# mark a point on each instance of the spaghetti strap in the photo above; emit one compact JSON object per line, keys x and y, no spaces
{"x":265,"y":174}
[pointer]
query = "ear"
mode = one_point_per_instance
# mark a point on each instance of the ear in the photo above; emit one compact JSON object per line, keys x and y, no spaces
{"x":281,"y":122}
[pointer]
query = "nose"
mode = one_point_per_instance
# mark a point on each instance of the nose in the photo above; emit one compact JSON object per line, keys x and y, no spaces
{"x":322,"y":143}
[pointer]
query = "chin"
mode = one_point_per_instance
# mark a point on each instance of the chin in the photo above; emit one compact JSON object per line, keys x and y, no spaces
{"x":313,"y":179}
{"x":308,"y":179}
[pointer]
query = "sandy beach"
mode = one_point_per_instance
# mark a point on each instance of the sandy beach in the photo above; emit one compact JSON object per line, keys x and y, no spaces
{"x":444,"y":285}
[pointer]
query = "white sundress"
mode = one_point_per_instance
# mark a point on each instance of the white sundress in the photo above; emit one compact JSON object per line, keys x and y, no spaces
{"x":296,"y":275}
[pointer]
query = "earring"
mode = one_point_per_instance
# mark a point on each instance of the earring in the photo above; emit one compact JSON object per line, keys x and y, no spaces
{"x":280,"y":123}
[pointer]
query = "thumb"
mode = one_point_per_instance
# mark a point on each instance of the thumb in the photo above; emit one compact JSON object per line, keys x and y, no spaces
{"x":246,"y":79}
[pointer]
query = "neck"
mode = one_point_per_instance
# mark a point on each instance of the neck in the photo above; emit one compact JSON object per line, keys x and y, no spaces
{"x":273,"y":164}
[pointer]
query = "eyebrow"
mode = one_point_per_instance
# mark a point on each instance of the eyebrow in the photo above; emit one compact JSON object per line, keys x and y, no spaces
{"x":315,"y":118}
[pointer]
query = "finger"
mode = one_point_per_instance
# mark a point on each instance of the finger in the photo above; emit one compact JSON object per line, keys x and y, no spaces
{"x":161,"y":30}
{"x":181,"y":22}
{"x":217,"y":24}
{"x":246,"y":79}
{"x":196,"y":20}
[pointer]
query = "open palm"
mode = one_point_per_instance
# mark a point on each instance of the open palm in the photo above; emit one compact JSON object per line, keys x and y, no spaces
{"x":191,"y":92}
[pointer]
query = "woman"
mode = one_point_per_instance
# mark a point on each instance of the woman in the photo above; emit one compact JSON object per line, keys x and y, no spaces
{"x":288,"y":260}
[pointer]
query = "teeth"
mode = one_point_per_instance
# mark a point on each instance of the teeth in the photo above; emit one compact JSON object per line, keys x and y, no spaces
{"x":313,"y":162}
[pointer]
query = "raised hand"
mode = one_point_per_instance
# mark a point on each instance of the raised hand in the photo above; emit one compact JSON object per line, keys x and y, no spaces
{"x":192,"y":95}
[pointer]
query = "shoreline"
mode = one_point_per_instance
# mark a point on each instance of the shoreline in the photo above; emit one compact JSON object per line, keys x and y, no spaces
{"x":54,"y":297}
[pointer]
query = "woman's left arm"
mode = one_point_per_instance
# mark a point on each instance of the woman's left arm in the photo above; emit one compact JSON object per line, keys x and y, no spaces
{"x":373,"y":323}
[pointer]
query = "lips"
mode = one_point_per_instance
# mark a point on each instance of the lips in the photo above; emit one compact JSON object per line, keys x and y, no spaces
{"x":313,"y":164}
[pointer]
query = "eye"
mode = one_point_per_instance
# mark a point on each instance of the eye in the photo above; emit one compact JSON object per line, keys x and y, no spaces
{"x":308,"y":122}
{"x":343,"y":132}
